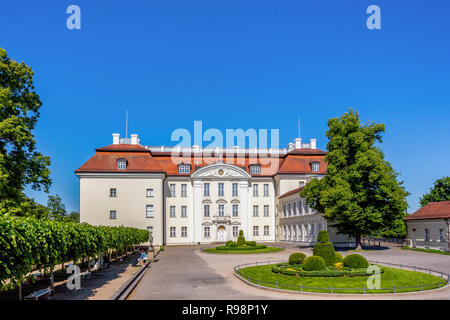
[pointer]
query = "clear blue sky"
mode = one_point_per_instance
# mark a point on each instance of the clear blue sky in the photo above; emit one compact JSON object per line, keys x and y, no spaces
{"x":235,"y":64}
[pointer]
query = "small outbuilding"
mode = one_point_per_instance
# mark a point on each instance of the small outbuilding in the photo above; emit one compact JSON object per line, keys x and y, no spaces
{"x":428,"y":227}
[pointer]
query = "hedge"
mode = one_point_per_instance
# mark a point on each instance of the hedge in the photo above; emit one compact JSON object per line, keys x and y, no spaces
{"x":28,"y":244}
{"x":339,"y":257}
{"x":258,"y":246}
{"x":324,"y":273}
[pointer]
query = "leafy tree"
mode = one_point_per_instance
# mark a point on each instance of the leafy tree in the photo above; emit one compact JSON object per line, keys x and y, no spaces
{"x":56,"y":207}
{"x":20,"y":164}
{"x":360,"y":193}
{"x":439,"y":192}
{"x":74,"y":217}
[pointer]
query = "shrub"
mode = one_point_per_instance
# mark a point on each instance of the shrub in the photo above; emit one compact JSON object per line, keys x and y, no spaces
{"x":161,"y":248}
{"x":323,"y":236}
{"x":297,"y":258}
{"x":228,"y":243}
{"x":233,"y":244}
{"x":251,"y":243}
{"x":339,"y":257}
{"x":241,"y":238}
{"x":355,"y":261}
{"x":236,"y":247}
{"x":326,"y":251}
{"x":314,"y":263}
{"x":339,"y":265}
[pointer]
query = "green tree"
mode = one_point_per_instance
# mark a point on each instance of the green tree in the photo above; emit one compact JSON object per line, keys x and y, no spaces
{"x":56,"y":207}
{"x":360,"y":193}
{"x":20,"y":164}
{"x":74,"y":217}
{"x":439,"y":192}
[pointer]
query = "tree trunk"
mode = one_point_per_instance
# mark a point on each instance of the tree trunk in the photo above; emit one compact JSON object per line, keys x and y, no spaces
{"x":358,"y":242}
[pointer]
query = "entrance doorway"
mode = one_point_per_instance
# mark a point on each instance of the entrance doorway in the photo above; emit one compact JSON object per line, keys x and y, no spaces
{"x":221,"y":233}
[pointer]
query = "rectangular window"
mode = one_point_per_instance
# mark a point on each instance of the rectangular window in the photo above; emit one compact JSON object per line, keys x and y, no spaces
{"x":255,"y":190}
{"x":206,"y":189}
{"x":427,"y":234}
{"x":184,"y":231}
{"x":183,"y":211}
{"x":172,"y":190}
{"x":221,"y":210}
{"x":235,"y":190}
{"x":313,"y":230}
{"x":235,"y":231}
{"x":172,"y":211}
{"x":184,"y":168}
{"x":266,"y":230}
{"x":266,"y":190}
{"x":113,"y":192}
{"x":112,"y":214}
{"x":255,"y":211}
{"x":220,"y":189}
{"x":255,"y":169}
{"x":207,"y":232}
{"x":206,"y":210}
{"x":301,"y":184}
{"x":284,"y":210}
{"x":255,"y":231}
{"x":294,"y":208}
{"x":300,"y":208}
{"x":172,"y":232}
{"x":235,"y":210}
{"x":183,"y":190}
{"x":289,"y":209}
{"x":441,"y":235}
{"x":150,"y":230}
{"x":149,"y":211}
{"x":149,"y":193}
{"x":266,"y":211}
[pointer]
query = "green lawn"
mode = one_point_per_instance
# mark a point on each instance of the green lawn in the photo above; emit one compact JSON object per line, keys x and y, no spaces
{"x":390,"y":277}
{"x":265,"y":250}
{"x":426,"y":250}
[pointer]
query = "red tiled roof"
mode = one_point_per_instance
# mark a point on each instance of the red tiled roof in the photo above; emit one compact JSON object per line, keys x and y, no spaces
{"x":433,"y":210}
{"x":294,"y":163}
{"x":289,"y":193}
{"x":124,"y":147}
{"x":107,"y":162}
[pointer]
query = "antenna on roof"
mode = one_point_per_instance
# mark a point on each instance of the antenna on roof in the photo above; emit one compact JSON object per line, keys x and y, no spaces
{"x":126,"y":125}
{"x":299,"y":127}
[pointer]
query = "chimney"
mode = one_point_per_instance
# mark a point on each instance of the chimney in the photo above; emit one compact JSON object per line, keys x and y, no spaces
{"x":313,"y":143}
{"x":134,"y":139}
{"x":291,"y":146}
{"x":116,"y":138}
{"x":298,"y":143}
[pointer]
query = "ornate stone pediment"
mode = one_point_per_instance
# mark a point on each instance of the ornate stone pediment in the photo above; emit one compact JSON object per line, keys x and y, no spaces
{"x":235,"y":201}
{"x":220,"y":171}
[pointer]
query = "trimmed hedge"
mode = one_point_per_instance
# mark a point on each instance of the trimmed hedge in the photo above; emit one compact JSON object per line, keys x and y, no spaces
{"x":339,"y":257}
{"x":326,"y":251}
{"x":314,"y":263}
{"x":228,"y":243}
{"x":297,"y":258}
{"x":323,"y":236}
{"x":355,"y":261}
{"x":258,"y":246}
{"x":327,"y":272}
{"x":251,"y":243}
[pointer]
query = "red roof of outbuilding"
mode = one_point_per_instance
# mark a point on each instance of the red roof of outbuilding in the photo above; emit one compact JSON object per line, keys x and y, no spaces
{"x":433,"y":210}
{"x":289,"y":193}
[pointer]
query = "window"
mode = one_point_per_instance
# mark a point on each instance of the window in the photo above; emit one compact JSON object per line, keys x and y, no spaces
{"x":266,"y":230}
{"x":207,"y":232}
{"x":427,"y":234}
{"x":235,"y":190}
{"x":266,"y":211}
{"x":289,"y":210}
{"x":149,"y":211}
{"x":235,"y":210}
{"x":441,"y":235}
{"x":294,"y":208}
{"x":206,"y":189}
{"x":306,"y":209}
{"x":284,"y":210}
{"x":172,"y":232}
{"x":150,"y":231}
{"x":255,"y":169}
{"x":183,"y":211}
{"x":315,"y":166}
{"x":184,"y":168}
{"x":255,"y":190}
{"x":121,"y":164}
{"x":183,"y":190}
{"x":149,"y":193}
{"x":172,"y":190}
{"x":255,"y":211}
{"x":221,"y":189}
{"x":266,"y":190}
{"x":206,"y":210}
{"x":221,"y":210}
{"x":113,"y":192}
{"x":301,"y":184}
{"x":172,"y":211}
{"x":112,"y":214}
{"x":255,"y":231}
{"x":313,"y":231}
{"x":235,"y":231}
{"x":300,"y":208}
{"x":184,"y":231}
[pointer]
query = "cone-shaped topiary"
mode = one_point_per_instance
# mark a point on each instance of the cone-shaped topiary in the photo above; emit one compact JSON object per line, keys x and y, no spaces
{"x":241,"y":239}
{"x":326,"y":251}
{"x":323,"y":236}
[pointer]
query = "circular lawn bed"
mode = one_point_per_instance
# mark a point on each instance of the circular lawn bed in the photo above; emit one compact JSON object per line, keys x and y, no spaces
{"x":403,"y":280}
{"x":243,"y":250}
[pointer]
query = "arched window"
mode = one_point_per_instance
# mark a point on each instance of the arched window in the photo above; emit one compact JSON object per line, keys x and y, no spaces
{"x":315,"y":166}
{"x":121,"y":164}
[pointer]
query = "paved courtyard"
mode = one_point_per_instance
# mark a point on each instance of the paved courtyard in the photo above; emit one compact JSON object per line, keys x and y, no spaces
{"x":184,"y":272}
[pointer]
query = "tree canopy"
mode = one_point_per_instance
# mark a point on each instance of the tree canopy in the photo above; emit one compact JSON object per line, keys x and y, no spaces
{"x":439,"y":192}
{"x":360,"y":194}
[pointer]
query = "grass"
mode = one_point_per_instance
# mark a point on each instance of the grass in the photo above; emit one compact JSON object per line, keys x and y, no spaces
{"x":265,"y":250}
{"x":426,"y":250}
{"x":391,"y":277}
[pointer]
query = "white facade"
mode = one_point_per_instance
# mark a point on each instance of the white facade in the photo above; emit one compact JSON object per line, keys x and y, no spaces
{"x":428,"y":234}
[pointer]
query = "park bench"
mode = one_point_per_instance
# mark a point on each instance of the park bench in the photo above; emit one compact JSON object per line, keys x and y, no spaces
{"x":39,"y":293}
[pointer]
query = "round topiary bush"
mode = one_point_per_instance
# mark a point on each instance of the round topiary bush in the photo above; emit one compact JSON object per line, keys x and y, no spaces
{"x":355,"y":261}
{"x":228,"y":243}
{"x":339,"y":257}
{"x":297,"y":258}
{"x":323,"y":236}
{"x":326,"y":251}
{"x":314,"y":263}
{"x":241,"y":238}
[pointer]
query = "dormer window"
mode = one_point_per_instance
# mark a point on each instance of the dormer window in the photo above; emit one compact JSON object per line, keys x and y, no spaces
{"x":315,"y":166}
{"x":184,"y":168}
{"x":255,"y":169}
{"x":121,"y":164}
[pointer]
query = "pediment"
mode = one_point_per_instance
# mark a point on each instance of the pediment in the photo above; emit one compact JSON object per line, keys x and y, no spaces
{"x":221,"y":171}
{"x":235,"y":201}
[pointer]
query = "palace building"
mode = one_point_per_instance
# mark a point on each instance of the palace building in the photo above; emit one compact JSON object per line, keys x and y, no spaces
{"x":199,"y":195}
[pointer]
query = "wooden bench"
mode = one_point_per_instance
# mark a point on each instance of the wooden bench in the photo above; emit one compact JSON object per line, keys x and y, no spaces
{"x":40,"y":293}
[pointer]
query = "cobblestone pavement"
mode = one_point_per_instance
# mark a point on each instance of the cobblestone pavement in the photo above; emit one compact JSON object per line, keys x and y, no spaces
{"x":184,"y":272}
